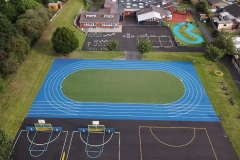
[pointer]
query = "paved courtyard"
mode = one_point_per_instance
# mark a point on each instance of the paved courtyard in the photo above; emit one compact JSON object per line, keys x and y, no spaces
{"x":130,"y":37}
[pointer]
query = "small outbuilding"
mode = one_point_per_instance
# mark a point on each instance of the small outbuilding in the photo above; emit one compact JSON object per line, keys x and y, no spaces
{"x":203,"y":17}
{"x":55,"y":6}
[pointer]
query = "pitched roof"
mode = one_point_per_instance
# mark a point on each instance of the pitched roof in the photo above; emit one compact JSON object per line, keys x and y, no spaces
{"x":233,"y":9}
{"x":212,"y":2}
{"x":52,"y":4}
{"x":98,"y":19}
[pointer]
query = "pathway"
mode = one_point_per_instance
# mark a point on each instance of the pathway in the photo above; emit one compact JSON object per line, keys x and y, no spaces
{"x":204,"y":31}
{"x":131,"y":55}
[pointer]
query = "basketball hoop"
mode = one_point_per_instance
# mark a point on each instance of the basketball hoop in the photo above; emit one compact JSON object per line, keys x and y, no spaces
{"x":41,"y":122}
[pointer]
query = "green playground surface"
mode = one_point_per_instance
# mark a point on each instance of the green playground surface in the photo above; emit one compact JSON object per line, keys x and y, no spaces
{"x":123,"y":86}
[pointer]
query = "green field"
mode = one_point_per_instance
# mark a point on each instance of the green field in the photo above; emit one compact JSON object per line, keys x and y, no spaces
{"x":123,"y":86}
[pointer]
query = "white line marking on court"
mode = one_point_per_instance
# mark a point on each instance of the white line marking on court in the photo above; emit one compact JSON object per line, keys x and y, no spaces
{"x":42,"y":143}
{"x":97,"y":145}
{"x":70,"y":144}
{"x":119,"y":145}
{"x":18,"y":138}
{"x":33,"y":143}
{"x":63,"y":146}
{"x":93,"y":145}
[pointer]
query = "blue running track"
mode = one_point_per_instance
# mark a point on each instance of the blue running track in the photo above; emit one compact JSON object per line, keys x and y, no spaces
{"x":193,"y":106}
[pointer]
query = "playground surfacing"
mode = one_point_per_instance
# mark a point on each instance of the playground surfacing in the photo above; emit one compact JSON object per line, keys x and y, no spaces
{"x":129,"y":38}
{"x":39,"y":145}
{"x":189,"y":129}
{"x":187,"y":35}
{"x":133,"y":140}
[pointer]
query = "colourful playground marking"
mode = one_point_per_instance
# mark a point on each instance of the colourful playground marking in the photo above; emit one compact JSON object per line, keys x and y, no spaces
{"x":188,"y":31}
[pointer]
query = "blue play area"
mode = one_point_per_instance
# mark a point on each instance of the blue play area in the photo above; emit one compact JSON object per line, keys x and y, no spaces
{"x":193,"y":106}
{"x":190,"y":27}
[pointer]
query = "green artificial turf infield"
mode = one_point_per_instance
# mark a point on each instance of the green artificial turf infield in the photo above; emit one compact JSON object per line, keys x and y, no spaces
{"x":123,"y":86}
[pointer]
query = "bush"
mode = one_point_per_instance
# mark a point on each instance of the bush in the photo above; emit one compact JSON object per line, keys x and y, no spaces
{"x":215,"y":33}
{"x":5,"y":146}
{"x":87,"y":8}
{"x":64,"y":40}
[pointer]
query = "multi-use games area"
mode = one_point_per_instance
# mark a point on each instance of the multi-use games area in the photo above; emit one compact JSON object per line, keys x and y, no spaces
{"x":122,"y":110}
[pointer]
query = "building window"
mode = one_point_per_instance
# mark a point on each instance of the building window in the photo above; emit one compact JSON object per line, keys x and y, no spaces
{"x":89,"y":24}
{"x":107,"y":24}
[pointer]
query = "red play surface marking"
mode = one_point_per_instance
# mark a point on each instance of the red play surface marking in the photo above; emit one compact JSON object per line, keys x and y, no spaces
{"x":176,"y":17}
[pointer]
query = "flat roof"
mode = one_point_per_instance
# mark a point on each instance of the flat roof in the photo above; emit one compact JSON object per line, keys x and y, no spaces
{"x":136,"y":4}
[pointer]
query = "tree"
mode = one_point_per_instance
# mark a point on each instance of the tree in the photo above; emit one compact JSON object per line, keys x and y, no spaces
{"x":2,"y":87}
{"x":224,"y":41}
{"x":19,"y":47}
{"x":213,"y":53}
{"x":7,"y":30}
{"x":32,"y":24}
{"x":202,"y":6}
{"x":144,"y":46}
{"x":64,"y":40}
{"x":23,"y":5}
{"x":112,"y":45}
{"x":8,"y":64}
{"x":9,"y":11}
{"x":5,"y":146}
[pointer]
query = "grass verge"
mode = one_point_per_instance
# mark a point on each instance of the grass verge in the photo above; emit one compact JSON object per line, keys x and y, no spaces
{"x":214,"y":90}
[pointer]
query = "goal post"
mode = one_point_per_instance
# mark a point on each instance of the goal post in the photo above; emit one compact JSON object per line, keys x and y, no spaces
{"x":43,"y":126}
{"x":96,"y":128}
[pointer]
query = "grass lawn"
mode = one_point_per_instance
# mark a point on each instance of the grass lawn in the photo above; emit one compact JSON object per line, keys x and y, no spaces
{"x":97,"y":55}
{"x":214,"y":90}
{"x":183,"y":33}
{"x":123,"y":86}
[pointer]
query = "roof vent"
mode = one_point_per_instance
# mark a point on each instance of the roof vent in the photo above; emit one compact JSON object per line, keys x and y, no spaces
{"x":91,"y":15}
{"x":108,"y":16}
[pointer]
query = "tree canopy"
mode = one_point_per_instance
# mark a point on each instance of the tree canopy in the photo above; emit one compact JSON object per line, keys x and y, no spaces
{"x":32,"y":24}
{"x":7,"y":30}
{"x":144,"y":46}
{"x":213,"y":53}
{"x":224,"y":41}
{"x":23,"y":5}
{"x":9,"y":10}
{"x":202,"y":6}
{"x":64,"y":40}
{"x":5,"y":146}
{"x":112,"y":45}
